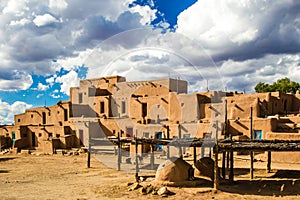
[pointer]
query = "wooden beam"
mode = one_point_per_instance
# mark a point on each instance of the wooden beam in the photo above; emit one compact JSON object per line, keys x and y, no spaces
{"x":216,"y":169}
{"x":231,"y":172}
{"x":195,"y":155}
{"x":269,"y":162}
{"x":223,"y":165}
{"x":251,"y":137}
{"x":89,"y":153}
{"x":119,"y":152}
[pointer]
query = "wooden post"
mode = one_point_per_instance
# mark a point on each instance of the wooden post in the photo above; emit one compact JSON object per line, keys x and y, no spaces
{"x":89,"y":153}
{"x":223,"y":165}
{"x":168,"y":147}
{"x":152,"y":156}
{"x":136,"y":160}
{"x":216,"y":168}
{"x":251,"y":135}
{"x":269,"y":162}
{"x":195,"y":155}
{"x":179,"y":146}
{"x":119,"y":152}
{"x":231,"y":172}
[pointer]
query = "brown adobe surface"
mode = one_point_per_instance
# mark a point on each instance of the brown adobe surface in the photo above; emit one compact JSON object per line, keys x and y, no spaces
{"x":66,"y":177}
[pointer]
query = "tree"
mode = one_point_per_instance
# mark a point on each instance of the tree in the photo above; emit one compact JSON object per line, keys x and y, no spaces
{"x":281,"y":85}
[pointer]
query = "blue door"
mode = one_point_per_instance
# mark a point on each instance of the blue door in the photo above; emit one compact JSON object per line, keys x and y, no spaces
{"x":158,"y":135}
{"x":13,"y":137}
{"x":257,"y":134}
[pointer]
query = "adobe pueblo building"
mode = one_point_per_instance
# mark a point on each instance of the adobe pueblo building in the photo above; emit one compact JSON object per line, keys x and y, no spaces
{"x":109,"y":106}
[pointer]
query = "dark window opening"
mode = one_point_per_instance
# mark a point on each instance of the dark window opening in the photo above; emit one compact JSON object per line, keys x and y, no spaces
{"x":44,"y":117}
{"x":40,"y":134}
{"x":19,"y":120}
{"x":102,"y":107}
{"x":123,"y":107}
{"x":144,"y":109}
{"x":80,"y":98}
{"x":60,"y":123}
{"x":81,"y":136}
{"x":57,"y":135}
{"x":31,"y":116}
{"x":65,"y":114}
{"x":50,"y":134}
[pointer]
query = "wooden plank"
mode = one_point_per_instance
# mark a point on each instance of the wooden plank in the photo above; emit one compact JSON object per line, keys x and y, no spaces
{"x":216,"y":169}
{"x":269,"y":162}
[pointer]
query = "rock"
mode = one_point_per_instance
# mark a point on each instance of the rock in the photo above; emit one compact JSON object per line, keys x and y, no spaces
{"x":149,"y":189}
{"x":163,"y":191}
{"x":129,"y":184}
{"x":143,"y":191}
{"x":174,"y":170}
{"x":134,"y":186}
{"x":205,"y":167}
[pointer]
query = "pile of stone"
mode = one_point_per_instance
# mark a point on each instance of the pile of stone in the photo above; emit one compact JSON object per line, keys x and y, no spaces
{"x":150,"y":189}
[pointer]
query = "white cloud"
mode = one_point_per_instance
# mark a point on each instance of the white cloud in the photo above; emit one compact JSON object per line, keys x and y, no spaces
{"x":68,"y":80}
{"x":43,"y":20}
{"x":58,"y":4}
{"x":17,"y":81}
{"x":42,"y":87}
{"x":55,"y":96}
{"x":21,"y":22}
{"x":146,"y":13}
{"x":39,"y":96}
{"x":16,"y":7}
{"x":243,"y":29}
{"x":7,"y":111}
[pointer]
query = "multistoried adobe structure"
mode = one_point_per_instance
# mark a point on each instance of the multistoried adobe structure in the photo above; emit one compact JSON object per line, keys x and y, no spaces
{"x":163,"y":108}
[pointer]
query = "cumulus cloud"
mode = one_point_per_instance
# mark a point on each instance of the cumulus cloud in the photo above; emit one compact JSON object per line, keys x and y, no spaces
{"x":243,"y":29}
{"x":40,"y":31}
{"x":16,"y":80}
{"x":68,"y":80}
{"x":43,"y":20}
{"x":58,"y":4}
{"x":7,"y":111}
{"x":42,"y":87}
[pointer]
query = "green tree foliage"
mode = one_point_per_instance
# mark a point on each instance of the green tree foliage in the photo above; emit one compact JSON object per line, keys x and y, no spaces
{"x":282,"y":85}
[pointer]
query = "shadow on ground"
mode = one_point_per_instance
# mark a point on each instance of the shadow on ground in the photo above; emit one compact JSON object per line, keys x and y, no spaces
{"x":6,"y":159}
{"x":280,"y":183}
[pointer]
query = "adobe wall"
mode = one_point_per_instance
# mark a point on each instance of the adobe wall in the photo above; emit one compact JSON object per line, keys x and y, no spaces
{"x":284,"y":157}
{"x":242,"y":126}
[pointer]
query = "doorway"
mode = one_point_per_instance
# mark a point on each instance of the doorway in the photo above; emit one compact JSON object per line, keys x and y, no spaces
{"x":158,"y":135}
{"x":33,"y":139}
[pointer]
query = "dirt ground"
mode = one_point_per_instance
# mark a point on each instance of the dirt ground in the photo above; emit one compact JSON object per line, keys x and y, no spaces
{"x":67,"y":177}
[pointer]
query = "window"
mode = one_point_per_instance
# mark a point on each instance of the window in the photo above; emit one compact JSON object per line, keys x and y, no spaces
{"x":80,"y":98}
{"x":49,"y":114}
{"x":102,"y":107}
{"x":65,"y":114}
{"x":144,"y":109}
{"x":129,"y":132}
{"x":19,"y":120}
{"x":31,"y":116}
{"x":50,"y":134}
{"x":145,"y":134}
{"x":123,"y":107}
{"x":40,"y":134}
{"x":57,"y":135}
{"x":25,"y":135}
{"x":44,"y":117}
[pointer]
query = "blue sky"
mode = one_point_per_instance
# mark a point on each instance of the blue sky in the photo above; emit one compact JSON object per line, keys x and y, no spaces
{"x":48,"y":46}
